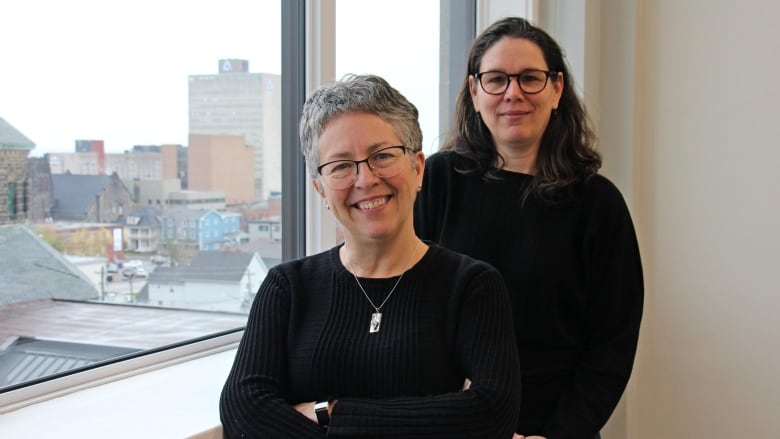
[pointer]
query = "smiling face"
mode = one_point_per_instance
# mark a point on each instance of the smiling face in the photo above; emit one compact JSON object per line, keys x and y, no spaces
{"x":373,"y":208}
{"x":516,"y":120}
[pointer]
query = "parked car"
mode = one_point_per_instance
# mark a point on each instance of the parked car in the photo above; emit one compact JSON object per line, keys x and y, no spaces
{"x":112,"y":268}
{"x":133,"y":263}
{"x":159,"y":259}
{"x":135,"y":272}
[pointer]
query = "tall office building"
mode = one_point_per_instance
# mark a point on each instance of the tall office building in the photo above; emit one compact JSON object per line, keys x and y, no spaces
{"x":221,"y":163}
{"x":239,"y":103}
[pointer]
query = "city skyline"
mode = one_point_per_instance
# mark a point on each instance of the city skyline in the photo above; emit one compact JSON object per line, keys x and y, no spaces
{"x":74,"y":75}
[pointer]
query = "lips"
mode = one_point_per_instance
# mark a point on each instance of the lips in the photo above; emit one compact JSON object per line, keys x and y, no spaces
{"x":372,"y":203}
{"x":515,"y":113}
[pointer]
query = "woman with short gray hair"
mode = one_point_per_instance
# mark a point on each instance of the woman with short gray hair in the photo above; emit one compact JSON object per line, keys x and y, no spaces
{"x":363,"y":94}
{"x":384,"y":335}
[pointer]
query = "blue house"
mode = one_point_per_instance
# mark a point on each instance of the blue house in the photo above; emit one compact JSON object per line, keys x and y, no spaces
{"x":200,"y":229}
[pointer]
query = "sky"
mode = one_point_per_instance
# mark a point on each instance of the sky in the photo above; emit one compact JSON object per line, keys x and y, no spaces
{"x":117,"y":71}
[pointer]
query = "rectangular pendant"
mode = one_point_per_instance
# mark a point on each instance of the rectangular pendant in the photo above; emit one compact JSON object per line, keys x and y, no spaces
{"x":376,"y":321}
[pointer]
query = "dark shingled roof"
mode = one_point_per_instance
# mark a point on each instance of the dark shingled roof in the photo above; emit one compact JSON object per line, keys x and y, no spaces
{"x":148,"y":217}
{"x":210,"y":266}
{"x":30,"y":269}
{"x":216,"y":266}
{"x":168,"y":275}
{"x":75,"y":194}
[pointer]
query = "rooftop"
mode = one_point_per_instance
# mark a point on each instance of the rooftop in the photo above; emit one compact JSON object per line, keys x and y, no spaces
{"x":11,"y":138}
{"x":46,"y":337}
{"x":118,"y":325}
{"x":31,"y":269}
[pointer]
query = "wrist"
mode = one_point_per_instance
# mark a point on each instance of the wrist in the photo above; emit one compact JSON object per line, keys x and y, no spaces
{"x":322,"y":412}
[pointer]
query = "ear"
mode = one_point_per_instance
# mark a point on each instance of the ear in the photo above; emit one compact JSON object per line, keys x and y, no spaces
{"x":419,"y":166}
{"x":473,"y":91}
{"x":558,"y":90}
{"x":318,"y":188}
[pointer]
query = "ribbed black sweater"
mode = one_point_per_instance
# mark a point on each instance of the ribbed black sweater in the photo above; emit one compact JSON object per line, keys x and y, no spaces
{"x":307,"y":339}
{"x":574,"y":274}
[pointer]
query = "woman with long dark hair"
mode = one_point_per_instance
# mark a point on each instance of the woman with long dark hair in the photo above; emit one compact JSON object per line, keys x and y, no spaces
{"x":516,"y":185}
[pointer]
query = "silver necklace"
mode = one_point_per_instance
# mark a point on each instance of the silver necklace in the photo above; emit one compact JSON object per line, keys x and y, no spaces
{"x":376,"y":316}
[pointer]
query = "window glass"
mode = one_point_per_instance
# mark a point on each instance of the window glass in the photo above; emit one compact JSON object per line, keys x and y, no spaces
{"x":106,"y":107}
{"x":402,"y":47}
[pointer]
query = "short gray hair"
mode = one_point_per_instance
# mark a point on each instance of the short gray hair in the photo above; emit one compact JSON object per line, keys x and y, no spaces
{"x":361,"y":94}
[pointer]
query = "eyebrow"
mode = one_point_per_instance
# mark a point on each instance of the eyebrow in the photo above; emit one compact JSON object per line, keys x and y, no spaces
{"x":371,"y":149}
{"x":519,"y":72}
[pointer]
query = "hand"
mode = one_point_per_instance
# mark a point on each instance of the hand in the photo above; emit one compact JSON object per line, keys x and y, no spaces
{"x":466,"y":384}
{"x":306,"y":409}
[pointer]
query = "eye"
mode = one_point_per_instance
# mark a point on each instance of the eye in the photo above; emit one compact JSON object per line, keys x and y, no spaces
{"x":383,"y":156}
{"x":495,"y":79}
{"x":532,"y":78}
{"x":340,"y":167}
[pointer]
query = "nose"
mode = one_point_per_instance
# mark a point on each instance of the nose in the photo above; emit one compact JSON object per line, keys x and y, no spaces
{"x":367,"y":177}
{"x":514,"y":89}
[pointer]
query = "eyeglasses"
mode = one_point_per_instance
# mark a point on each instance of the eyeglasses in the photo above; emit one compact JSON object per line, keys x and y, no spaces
{"x":385,"y":163}
{"x":530,"y":81}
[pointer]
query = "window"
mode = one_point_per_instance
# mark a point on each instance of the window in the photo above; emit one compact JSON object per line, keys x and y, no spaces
{"x":158,"y":100}
{"x":11,"y":200}
{"x":402,"y":57}
{"x":114,"y":95}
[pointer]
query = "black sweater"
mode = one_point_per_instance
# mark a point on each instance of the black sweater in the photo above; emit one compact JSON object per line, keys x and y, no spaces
{"x":574,"y":274}
{"x":307,"y":339}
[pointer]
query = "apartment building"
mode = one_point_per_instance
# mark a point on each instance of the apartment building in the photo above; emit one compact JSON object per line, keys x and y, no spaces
{"x":239,"y":103}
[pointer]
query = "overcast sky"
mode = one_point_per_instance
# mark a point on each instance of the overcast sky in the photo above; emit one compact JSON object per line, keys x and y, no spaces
{"x":117,"y":71}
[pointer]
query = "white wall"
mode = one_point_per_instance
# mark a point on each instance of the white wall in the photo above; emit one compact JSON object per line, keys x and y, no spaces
{"x":709,"y":157}
{"x":685,"y":98}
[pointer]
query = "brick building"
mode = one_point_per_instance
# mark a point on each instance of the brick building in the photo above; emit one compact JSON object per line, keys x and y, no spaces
{"x":40,"y":194}
{"x":15,"y":147}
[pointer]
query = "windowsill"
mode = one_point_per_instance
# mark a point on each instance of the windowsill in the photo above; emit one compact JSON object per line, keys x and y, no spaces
{"x":178,"y":400}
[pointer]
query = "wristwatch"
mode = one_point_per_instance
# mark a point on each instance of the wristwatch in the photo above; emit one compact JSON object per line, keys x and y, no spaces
{"x":321,"y":410}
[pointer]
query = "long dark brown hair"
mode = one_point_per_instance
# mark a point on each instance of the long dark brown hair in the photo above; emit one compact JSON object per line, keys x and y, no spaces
{"x":567,"y":155}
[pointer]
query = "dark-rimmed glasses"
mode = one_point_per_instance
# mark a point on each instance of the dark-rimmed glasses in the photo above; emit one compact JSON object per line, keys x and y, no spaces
{"x":385,"y":163}
{"x":531,"y":81}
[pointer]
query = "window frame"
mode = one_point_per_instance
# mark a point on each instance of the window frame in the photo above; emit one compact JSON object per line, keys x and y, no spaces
{"x":308,"y":60}
{"x":293,"y":216}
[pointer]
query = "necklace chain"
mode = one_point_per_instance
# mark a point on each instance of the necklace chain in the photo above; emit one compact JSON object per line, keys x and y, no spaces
{"x":378,"y":308}
{"x":376,"y":317}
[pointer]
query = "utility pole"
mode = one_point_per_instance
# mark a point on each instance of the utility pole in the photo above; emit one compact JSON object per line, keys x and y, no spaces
{"x":132,"y":296}
{"x":102,"y":289}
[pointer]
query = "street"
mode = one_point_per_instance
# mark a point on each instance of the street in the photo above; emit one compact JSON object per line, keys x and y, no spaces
{"x":120,"y":288}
